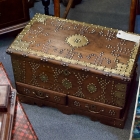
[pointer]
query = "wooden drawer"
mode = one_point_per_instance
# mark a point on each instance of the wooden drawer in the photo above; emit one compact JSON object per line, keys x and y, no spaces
{"x":41,"y":93}
{"x":93,"y":107}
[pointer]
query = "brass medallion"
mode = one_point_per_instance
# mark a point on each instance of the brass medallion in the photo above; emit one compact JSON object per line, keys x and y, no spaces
{"x":91,"y":87}
{"x":43,"y":77}
{"x":77,"y":40}
{"x":66,"y":83}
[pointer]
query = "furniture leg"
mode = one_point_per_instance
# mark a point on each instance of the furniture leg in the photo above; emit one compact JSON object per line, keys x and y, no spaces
{"x":57,"y":8}
{"x":132,"y":15}
{"x":46,"y":4}
{"x":68,"y":8}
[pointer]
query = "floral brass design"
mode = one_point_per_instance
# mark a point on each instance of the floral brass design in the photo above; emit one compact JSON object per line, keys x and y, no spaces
{"x":66,"y":83}
{"x":43,"y":77}
{"x":77,"y":40}
{"x":91,"y":88}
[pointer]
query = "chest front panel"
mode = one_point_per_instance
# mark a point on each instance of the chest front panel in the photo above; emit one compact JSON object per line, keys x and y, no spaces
{"x":70,"y":81}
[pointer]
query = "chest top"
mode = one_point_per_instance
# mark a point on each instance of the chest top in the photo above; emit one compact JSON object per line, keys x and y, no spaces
{"x":72,"y":43}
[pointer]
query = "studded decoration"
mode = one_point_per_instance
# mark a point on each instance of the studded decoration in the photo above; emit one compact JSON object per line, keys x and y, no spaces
{"x":43,"y":77}
{"x":66,"y":83}
{"x":120,"y":87}
{"x":34,"y":66}
{"x":112,"y":112}
{"x":66,"y":72}
{"x":65,"y":76}
{"x":19,"y":70}
{"x":91,"y":87}
{"x":57,"y":99}
{"x":77,"y":104}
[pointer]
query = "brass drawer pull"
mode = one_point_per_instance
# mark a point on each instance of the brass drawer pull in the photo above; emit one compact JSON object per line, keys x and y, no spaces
{"x":95,"y":112}
{"x":40,"y":95}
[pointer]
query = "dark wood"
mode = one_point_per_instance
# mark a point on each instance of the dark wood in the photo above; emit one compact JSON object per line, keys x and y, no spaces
{"x":46,"y":4}
{"x":4,"y":97}
{"x":138,"y":7}
{"x":13,"y":15}
{"x":78,"y":65}
{"x":132,"y":16}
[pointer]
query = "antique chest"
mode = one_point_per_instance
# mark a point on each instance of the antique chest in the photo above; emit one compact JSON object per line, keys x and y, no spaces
{"x":74,"y":66}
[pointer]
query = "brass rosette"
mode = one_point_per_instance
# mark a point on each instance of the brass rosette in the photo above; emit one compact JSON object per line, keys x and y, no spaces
{"x":77,"y":40}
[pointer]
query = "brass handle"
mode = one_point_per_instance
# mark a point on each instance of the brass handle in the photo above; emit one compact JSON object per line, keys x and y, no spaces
{"x":39,"y":95}
{"x":95,"y":112}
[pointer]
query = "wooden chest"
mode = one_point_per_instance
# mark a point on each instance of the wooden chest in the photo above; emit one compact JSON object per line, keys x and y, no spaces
{"x":73,"y":65}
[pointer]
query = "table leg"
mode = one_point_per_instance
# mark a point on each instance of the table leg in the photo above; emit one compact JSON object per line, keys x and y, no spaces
{"x":46,"y":4}
{"x":57,"y":8}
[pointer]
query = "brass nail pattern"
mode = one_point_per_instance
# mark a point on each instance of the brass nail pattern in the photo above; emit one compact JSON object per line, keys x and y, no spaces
{"x":64,"y":76}
{"x":91,"y":87}
{"x":43,"y":77}
{"x":66,"y":83}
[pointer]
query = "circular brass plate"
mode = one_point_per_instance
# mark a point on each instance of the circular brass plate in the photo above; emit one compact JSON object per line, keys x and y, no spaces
{"x":77,"y":40}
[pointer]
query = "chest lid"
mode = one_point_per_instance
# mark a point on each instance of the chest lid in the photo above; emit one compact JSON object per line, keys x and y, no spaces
{"x":85,"y":46}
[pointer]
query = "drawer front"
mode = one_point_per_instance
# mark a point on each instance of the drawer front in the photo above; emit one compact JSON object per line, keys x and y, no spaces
{"x":41,"y":93}
{"x":12,"y":11}
{"x":95,"y":108}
